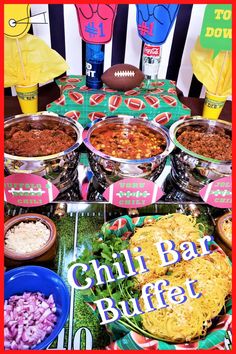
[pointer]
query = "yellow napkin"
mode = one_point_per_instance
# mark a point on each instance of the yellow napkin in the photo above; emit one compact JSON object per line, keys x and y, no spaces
{"x":215,"y":74}
{"x":37,"y":63}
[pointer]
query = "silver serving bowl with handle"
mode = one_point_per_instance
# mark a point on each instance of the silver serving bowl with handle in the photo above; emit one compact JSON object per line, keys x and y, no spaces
{"x":59,"y":168}
{"x":190,"y":171}
{"x":109,"y":169}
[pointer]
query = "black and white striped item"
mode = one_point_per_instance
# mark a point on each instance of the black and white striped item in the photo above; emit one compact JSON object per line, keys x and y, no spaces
{"x":61,"y":33}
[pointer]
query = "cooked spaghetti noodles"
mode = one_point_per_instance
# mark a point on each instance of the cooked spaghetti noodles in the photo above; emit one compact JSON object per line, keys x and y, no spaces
{"x":176,"y":227}
{"x":179,"y":323}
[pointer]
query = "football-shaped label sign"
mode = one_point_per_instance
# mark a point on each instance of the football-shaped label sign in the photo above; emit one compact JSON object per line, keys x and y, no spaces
{"x":218,"y":193}
{"x":133,"y":193}
{"x":28,"y":190}
{"x":122,"y":77}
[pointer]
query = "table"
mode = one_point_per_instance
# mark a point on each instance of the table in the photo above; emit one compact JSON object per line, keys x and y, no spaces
{"x":51,"y":91}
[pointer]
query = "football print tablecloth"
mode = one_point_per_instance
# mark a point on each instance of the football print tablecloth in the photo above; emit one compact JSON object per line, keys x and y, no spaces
{"x":77,"y":101}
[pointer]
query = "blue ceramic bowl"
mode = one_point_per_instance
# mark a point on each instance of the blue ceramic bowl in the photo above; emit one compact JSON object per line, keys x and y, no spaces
{"x":33,"y":279}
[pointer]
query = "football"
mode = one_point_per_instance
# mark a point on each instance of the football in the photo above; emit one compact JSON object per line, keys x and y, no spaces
{"x":114,"y":102}
{"x":76,"y":97}
{"x":122,"y":77}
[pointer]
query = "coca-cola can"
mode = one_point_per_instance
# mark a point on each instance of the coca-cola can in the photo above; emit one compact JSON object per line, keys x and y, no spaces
{"x":151,"y":61}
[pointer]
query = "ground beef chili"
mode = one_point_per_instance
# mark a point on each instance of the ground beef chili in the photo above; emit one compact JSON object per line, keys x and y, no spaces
{"x":213,"y":144}
{"x":130,"y":142}
{"x":37,"y":142}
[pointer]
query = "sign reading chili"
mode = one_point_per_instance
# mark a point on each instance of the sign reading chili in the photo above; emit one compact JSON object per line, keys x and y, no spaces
{"x":218,"y":193}
{"x":28,"y":190}
{"x":133,"y":192}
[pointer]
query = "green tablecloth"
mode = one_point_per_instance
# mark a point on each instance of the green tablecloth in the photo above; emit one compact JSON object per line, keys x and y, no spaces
{"x":160,"y":103}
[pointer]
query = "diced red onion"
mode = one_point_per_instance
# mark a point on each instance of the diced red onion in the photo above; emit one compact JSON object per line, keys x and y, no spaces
{"x":28,"y":319}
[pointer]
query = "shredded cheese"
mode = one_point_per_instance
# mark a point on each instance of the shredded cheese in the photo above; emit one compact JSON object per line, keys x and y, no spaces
{"x":27,"y":237}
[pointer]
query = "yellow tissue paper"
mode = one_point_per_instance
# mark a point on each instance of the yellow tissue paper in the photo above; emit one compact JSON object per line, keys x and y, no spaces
{"x":28,"y":60}
{"x":215,"y":74}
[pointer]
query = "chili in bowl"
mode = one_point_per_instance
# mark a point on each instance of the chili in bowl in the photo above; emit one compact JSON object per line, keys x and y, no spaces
{"x":128,"y":141}
{"x":122,"y":146}
{"x":202,"y":154}
{"x":43,"y":144}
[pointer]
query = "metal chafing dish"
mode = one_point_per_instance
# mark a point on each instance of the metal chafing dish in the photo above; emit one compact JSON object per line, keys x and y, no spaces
{"x":109,"y":169}
{"x":59,"y":168}
{"x":191,"y":171}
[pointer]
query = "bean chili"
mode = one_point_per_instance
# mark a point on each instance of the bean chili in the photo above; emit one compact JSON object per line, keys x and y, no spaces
{"x":131,"y":141}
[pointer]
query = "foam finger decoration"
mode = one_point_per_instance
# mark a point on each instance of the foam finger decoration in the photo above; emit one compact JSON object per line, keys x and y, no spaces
{"x":96,"y":23}
{"x":154,"y":22}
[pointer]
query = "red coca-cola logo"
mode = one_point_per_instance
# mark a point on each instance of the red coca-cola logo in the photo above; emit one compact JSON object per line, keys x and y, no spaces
{"x":151,"y":51}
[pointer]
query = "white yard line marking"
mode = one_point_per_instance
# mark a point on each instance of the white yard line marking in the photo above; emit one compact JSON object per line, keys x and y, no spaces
{"x":72,"y":294}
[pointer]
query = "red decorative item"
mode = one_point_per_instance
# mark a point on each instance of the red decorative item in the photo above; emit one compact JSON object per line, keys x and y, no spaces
{"x":172,"y":90}
{"x":163,"y":118}
{"x":96,"y":99}
{"x":135,"y":104}
{"x":118,"y":224}
{"x":61,"y":100}
{"x":184,"y":117}
{"x":69,"y":79}
{"x":74,"y":79}
{"x":84,"y":88}
{"x":73,"y":114}
{"x":67,"y":87}
{"x":63,"y":79}
{"x":114,"y":102}
{"x":158,"y":90}
{"x":158,"y":83}
{"x":132,"y":93}
{"x":153,"y":101}
{"x":143,"y":116}
{"x":76,"y":97}
{"x":108,"y":89}
{"x":171,"y":101}
{"x":96,"y":115}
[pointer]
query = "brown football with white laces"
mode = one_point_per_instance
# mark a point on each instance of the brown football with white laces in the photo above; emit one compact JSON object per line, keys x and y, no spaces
{"x":122,"y":77}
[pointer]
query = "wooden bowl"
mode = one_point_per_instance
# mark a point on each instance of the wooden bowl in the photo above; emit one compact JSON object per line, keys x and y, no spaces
{"x":42,"y":254}
{"x":220,"y":231}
